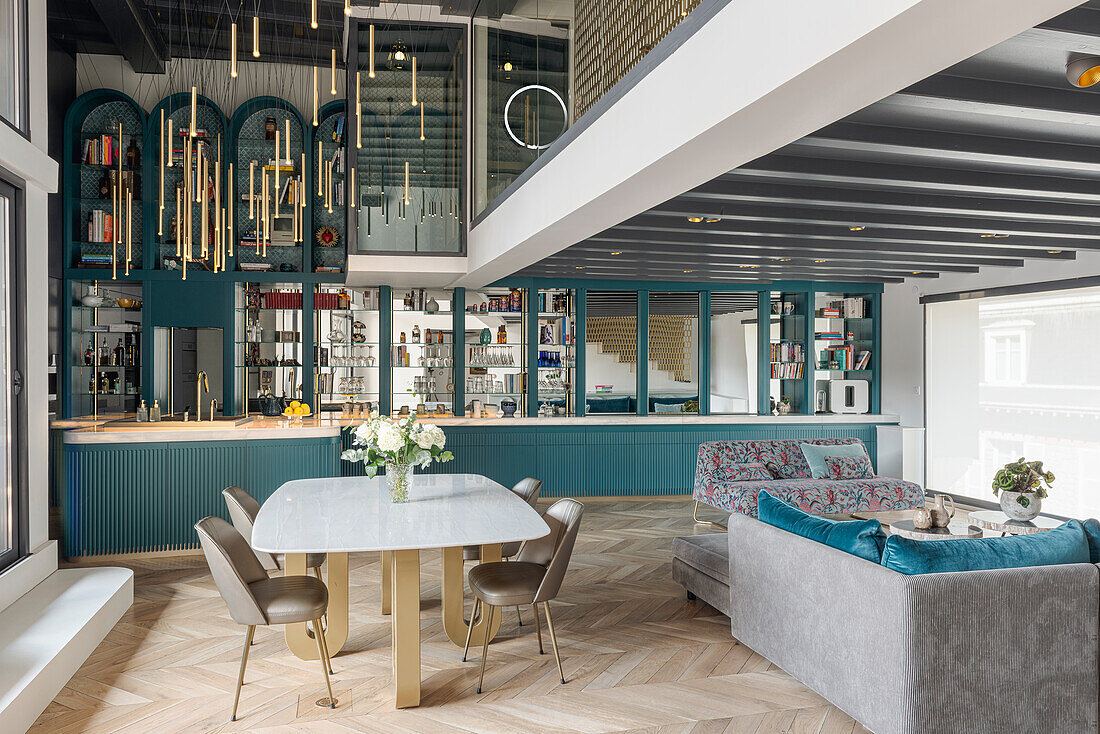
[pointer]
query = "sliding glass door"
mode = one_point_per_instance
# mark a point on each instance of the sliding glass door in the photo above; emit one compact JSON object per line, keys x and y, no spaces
{"x":13,"y":513}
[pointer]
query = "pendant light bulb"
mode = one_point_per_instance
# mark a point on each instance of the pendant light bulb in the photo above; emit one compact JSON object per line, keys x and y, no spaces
{"x":315,"y":96}
{"x":347,"y":7}
{"x":233,"y":51}
{"x":414,"y":82}
{"x":287,"y":143}
{"x":370,"y":54}
{"x":332,"y":75}
{"x":256,"y":36}
{"x":421,"y":122}
{"x":194,"y":110}
{"x":313,"y":14}
{"x":358,"y":110}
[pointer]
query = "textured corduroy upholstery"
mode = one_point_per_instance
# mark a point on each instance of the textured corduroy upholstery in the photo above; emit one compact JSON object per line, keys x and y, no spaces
{"x":974,"y":651}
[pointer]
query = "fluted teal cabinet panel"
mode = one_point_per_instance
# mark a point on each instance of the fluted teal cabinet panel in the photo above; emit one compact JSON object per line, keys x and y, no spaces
{"x":146,"y":497}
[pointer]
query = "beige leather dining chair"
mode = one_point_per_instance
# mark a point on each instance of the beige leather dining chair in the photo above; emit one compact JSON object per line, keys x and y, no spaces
{"x":528,"y":490}
{"x":243,"y":509}
{"x":254,"y":599}
{"x":534,"y":578}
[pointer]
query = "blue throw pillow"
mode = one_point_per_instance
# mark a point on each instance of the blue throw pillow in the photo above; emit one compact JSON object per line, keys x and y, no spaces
{"x":815,"y":455}
{"x":1092,"y":535}
{"x":1064,"y":544}
{"x":863,"y":538}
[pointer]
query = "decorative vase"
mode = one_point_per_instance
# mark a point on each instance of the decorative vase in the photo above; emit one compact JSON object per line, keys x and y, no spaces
{"x":783,"y":408}
{"x":1011,"y":505}
{"x":922,"y":518}
{"x":398,"y":479}
{"x":941,"y":516}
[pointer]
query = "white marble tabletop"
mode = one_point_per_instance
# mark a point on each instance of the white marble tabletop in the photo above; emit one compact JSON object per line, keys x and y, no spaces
{"x":354,"y":514}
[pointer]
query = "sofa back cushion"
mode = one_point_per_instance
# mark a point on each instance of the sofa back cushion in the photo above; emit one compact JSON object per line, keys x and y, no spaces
{"x":752,"y":471}
{"x":862,"y":538}
{"x":848,"y":467}
{"x":1066,"y":543}
{"x":816,"y":454}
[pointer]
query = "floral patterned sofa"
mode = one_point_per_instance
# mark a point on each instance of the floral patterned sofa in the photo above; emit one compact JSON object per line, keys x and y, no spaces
{"x":784,"y":459}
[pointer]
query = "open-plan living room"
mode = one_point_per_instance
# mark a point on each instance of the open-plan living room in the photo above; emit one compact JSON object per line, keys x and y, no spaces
{"x":497,"y":366}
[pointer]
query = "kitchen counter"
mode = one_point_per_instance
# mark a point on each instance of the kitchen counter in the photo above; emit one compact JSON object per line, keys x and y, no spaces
{"x":258,"y":428}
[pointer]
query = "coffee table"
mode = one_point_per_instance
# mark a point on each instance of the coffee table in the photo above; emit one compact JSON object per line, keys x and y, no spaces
{"x":954,"y":531}
{"x":999,"y":522}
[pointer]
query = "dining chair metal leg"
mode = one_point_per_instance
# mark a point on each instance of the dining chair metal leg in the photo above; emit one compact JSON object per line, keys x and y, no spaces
{"x":485,"y":648}
{"x":331,"y":700}
{"x":520,"y":616}
{"x":470,"y":627}
{"x":538,"y":626}
{"x":324,"y":648}
{"x":553,"y":639}
{"x":240,"y":675}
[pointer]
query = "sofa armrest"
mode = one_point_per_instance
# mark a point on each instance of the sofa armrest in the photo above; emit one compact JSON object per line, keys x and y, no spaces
{"x":938,"y":652}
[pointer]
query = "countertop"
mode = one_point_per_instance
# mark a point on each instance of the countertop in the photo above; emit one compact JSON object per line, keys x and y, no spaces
{"x":86,"y":431}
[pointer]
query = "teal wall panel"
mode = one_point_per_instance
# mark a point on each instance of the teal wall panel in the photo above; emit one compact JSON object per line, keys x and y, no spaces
{"x":198,"y":472}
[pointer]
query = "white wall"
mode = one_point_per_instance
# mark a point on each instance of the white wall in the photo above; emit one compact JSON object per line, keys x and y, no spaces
{"x":903,"y":323}
{"x":732,"y":373}
{"x":28,"y":162}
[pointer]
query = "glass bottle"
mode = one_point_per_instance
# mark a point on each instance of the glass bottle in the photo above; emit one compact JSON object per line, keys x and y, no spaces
{"x":88,"y":356}
{"x":402,"y":337}
{"x":440,"y":338}
{"x":154,"y":412}
{"x":416,"y":334}
{"x":428,"y":336}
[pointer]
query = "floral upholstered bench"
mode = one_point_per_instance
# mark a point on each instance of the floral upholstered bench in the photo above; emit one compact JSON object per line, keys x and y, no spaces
{"x":728,"y":475}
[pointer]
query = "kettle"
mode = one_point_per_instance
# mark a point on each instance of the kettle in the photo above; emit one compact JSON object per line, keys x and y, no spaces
{"x":269,"y":404}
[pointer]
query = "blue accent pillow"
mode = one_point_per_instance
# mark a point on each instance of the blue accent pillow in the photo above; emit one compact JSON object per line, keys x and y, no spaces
{"x":863,"y":538}
{"x":654,"y":402}
{"x":1092,"y":535}
{"x":815,"y":455}
{"x":1066,"y":543}
{"x":610,"y":405}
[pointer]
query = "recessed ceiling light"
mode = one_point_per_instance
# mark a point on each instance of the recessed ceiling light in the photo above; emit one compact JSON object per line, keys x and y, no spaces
{"x":712,"y":220}
{"x":784,"y":259}
{"x":1054,"y":252}
{"x":916,"y":272}
{"x":695,"y":220}
{"x":579,"y":267}
{"x":749,"y":266}
{"x":819,"y":261}
{"x":857,"y":228}
{"x":993,"y":234}
{"x":1084,"y":72}
{"x":689,"y":271}
{"x":617,"y":252}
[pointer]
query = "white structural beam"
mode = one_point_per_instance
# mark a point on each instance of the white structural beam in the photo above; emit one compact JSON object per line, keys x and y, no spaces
{"x":754,"y":77}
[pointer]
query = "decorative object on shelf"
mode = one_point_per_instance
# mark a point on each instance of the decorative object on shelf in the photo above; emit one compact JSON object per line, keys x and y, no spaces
{"x":1022,"y":486}
{"x":399,"y":446}
{"x":432,"y":306}
{"x":270,"y":405}
{"x":783,"y":407}
{"x":941,"y":516}
{"x":327,"y":236}
{"x":508,"y":407}
{"x":922,"y":518}
{"x":486,"y":336}
{"x":93,"y":300}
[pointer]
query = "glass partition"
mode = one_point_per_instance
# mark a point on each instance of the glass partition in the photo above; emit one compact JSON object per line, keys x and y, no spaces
{"x":734,"y":352}
{"x":521,"y":95}
{"x":673,"y":360}
{"x":409,"y":145}
{"x":496,"y":348}
{"x":611,"y":352}
{"x":105,"y":344}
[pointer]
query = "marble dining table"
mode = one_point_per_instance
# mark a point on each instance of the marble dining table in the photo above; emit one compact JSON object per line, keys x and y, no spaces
{"x":343,"y":515}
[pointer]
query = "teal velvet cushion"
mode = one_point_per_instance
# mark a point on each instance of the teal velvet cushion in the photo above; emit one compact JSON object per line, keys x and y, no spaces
{"x":863,"y":538}
{"x":1064,"y":544}
{"x":1092,"y":534}
{"x":815,"y":455}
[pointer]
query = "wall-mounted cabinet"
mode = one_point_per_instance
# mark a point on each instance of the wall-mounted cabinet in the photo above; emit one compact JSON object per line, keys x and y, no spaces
{"x":495,"y":345}
{"x":556,"y":353}
{"x":270,"y":357}
{"x":422,"y":352}
{"x":104,"y":348}
{"x":327,"y":192}
{"x":348,"y":353}
{"x":845,"y":334}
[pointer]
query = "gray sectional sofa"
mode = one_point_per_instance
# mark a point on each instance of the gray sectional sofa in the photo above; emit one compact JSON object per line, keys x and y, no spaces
{"x":974,"y":652}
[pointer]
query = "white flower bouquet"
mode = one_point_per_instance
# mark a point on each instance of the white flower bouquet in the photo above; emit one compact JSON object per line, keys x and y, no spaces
{"x":399,"y":446}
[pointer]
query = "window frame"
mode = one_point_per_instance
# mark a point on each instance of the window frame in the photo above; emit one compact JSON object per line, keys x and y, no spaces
{"x":20,"y":499}
{"x":22,"y":96}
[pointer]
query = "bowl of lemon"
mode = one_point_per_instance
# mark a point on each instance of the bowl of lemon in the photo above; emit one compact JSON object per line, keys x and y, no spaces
{"x":296,"y":411}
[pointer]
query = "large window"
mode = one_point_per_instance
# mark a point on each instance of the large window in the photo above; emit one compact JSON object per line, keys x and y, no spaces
{"x":611,"y":352}
{"x":734,"y":347}
{"x":13,"y":63}
{"x":1013,"y":376}
{"x":13,"y":513}
{"x":673,"y":368}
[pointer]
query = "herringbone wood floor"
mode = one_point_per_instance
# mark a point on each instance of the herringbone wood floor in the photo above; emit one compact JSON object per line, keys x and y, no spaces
{"x":638,"y":657}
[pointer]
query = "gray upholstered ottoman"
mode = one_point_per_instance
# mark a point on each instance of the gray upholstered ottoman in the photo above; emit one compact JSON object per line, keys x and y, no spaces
{"x":701,"y":564}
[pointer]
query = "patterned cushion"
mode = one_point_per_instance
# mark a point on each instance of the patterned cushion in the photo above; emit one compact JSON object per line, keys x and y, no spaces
{"x":748,"y":472}
{"x":816,"y":496}
{"x":848,"y":467}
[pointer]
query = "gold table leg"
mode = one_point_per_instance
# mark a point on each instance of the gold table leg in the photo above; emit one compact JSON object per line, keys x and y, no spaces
{"x":405,"y":578}
{"x":387,"y":593}
{"x":453,"y":592}
{"x":298,"y":638}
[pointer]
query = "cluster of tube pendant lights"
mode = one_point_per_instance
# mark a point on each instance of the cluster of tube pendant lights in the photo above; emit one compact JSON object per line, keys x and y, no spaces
{"x":217,"y":241}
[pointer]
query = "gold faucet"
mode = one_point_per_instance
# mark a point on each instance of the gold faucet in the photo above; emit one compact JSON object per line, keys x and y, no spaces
{"x":200,"y":382}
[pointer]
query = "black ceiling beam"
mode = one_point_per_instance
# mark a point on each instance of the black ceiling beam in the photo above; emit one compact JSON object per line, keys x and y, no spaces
{"x":782,"y":244}
{"x":889,"y":201}
{"x":747,"y":277}
{"x":133,"y":31}
{"x":600,"y":245}
{"x":962,"y":150}
{"x":879,"y":176}
{"x":748,"y":213}
{"x":696,"y":260}
{"x":1005,"y":99}
{"x":915,"y":239}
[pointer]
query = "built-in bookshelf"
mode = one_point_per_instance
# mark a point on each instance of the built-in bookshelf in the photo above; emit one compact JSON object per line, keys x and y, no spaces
{"x":268,"y":342}
{"x":844,"y":336}
{"x":495,"y":352}
{"x":327,"y":190}
{"x":422,"y":352}
{"x":787,"y":358}
{"x":556,"y":359}
{"x":347,"y":358}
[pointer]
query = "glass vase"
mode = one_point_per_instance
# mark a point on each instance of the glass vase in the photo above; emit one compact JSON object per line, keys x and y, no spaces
{"x":399,"y":479}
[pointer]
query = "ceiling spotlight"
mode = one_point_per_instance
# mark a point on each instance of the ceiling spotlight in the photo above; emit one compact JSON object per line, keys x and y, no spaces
{"x":784,"y":259}
{"x":749,"y":266}
{"x":689,"y":271}
{"x":1054,"y":252}
{"x":695,"y":220}
{"x":916,"y":272}
{"x":993,"y":234}
{"x":712,"y":220}
{"x":857,"y":228}
{"x":819,"y":261}
{"x":617,"y":252}
{"x":1084,"y":72}
{"x":579,"y":267}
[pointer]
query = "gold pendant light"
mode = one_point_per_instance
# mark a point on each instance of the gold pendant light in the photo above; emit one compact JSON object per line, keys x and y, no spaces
{"x":414,"y":82}
{"x":358,"y":110}
{"x":370,"y":55}
{"x":320,"y":169}
{"x":314,"y":96}
{"x":347,"y":7}
{"x":405,"y":198}
{"x":421,"y":122}
{"x":179,"y":224}
{"x":276,"y":156}
{"x":229,"y":214}
{"x":252,"y":189}
{"x":352,"y":196}
{"x":233,"y":51}
{"x":256,"y":36}
{"x":194,"y":109}
{"x":332,"y":75}
{"x":286,"y":138}
{"x":129,"y":227}
{"x":313,"y":14}
{"x":160,"y":209}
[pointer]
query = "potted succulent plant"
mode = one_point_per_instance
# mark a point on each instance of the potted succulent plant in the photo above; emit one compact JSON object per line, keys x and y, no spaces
{"x":783,"y":407}
{"x":399,"y":446}
{"x":1021,"y":486}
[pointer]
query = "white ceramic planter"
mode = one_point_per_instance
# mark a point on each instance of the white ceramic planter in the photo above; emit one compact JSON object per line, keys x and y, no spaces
{"x":1011,"y":506}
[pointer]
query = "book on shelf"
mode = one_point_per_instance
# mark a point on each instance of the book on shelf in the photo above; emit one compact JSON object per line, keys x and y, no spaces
{"x":100,"y":151}
{"x":863,"y":360}
{"x":829,"y":335}
{"x":101,"y":226}
{"x":788,"y":370}
{"x":788,"y":352}
{"x":514,"y":382}
{"x":855,"y":307}
{"x":556,"y":331}
{"x":338,"y":130}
